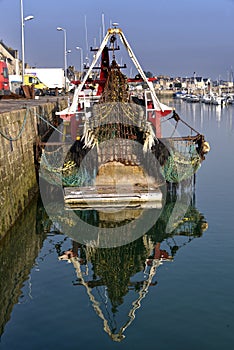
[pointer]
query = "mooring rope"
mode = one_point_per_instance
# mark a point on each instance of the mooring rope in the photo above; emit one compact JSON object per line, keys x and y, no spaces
{"x":10,"y":139}
{"x":47,"y":122}
{"x":20,"y":132}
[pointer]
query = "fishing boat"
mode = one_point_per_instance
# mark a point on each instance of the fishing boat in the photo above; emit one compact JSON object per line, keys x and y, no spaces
{"x":115,"y":151}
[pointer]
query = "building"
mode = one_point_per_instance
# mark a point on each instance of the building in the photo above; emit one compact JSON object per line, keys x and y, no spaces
{"x":11,"y":57}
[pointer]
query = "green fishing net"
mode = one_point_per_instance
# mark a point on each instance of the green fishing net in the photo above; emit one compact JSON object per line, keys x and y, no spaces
{"x":182,"y":163}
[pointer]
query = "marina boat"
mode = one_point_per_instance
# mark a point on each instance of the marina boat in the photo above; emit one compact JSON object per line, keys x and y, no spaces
{"x":212,"y":98}
{"x":207,"y":98}
{"x":192,"y":98}
{"x":180,"y":94}
{"x":217,"y":100}
{"x":230,"y":99}
{"x":116,"y":147}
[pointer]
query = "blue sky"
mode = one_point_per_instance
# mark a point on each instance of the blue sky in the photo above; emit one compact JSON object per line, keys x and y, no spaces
{"x":172,"y":37}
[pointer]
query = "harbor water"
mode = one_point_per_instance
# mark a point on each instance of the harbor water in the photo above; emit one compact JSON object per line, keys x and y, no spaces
{"x":123,"y":297}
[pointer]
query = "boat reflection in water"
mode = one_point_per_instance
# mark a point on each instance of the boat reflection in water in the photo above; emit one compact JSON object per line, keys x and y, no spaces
{"x":117,"y":279}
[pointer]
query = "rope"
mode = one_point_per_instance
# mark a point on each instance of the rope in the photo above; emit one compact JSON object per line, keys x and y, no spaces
{"x":177,"y":118}
{"x":20,"y":132}
{"x":47,"y":122}
{"x":9,"y":138}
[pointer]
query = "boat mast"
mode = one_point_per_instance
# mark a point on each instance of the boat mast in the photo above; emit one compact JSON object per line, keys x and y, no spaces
{"x":110,"y":32}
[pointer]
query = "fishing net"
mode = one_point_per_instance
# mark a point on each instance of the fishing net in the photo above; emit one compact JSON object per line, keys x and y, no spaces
{"x":178,"y":160}
{"x":116,"y":87}
{"x":182,"y":162}
{"x":62,"y":166}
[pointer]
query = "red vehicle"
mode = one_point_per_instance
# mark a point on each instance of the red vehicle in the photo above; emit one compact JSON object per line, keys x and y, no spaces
{"x":4,"y":79}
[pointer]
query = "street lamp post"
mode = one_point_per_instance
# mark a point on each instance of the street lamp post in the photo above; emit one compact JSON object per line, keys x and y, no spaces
{"x":65,"y":55}
{"x":81,"y":59}
{"x":23,"y":20}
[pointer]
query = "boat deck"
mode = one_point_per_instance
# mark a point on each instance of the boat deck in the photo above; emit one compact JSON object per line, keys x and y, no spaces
{"x":97,"y":197}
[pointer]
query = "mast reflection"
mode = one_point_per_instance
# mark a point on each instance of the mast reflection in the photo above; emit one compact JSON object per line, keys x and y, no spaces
{"x":117,"y":279}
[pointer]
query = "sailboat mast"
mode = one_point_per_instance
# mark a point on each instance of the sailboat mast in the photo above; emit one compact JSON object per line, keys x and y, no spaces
{"x":103,"y":26}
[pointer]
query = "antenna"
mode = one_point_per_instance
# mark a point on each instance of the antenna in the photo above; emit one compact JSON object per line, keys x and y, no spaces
{"x":100,"y":35}
{"x":103,"y":26}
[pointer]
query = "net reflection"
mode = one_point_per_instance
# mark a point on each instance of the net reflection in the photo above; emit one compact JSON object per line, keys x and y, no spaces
{"x":117,"y":279}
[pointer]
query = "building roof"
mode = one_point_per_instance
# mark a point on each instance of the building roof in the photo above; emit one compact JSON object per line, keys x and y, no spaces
{"x":12,"y":52}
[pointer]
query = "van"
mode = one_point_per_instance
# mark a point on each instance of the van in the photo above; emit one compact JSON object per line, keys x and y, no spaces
{"x":40,"y":88}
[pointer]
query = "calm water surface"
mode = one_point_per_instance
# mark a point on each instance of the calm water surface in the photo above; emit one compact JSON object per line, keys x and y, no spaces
{"x":122,"y":297}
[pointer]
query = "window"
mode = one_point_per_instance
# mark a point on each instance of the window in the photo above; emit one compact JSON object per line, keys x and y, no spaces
{"x":5,"y":73}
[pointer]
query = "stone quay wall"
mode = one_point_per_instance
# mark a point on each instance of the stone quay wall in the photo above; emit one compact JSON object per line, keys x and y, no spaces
{"x":18,"y":182}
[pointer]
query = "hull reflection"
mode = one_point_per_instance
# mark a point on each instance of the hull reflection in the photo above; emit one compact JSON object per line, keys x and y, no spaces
{"x":117,"y":279}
